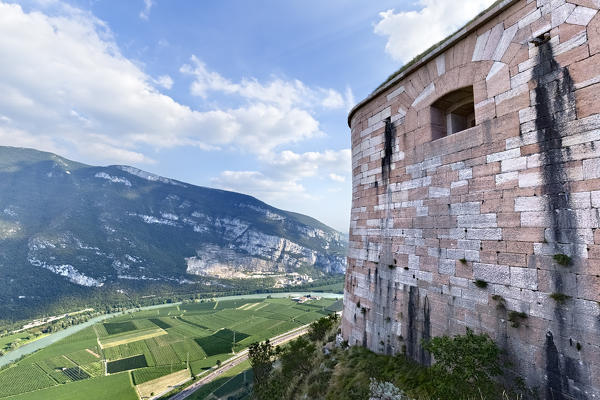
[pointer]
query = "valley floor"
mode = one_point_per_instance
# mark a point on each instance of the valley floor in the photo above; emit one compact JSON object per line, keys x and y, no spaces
{"x":143,"y":354}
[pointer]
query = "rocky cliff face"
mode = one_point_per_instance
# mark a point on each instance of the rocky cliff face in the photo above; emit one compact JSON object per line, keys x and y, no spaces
{"x":255,"y":253}
{"x":248,"y":251}
{"x":78,"y":226}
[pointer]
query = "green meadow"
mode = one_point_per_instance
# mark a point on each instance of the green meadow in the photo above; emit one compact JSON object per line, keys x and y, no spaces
{"x":109,"y":359}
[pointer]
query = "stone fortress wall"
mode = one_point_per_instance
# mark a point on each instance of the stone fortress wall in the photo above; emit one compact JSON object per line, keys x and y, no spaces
{"x":486,"y":218}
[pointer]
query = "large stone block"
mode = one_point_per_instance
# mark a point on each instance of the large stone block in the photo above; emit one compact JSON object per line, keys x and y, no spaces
{"x":587,"y":100}
{"x":581,"y":16}
{"x":492,"y":273}
{"x":591,"y":168}
{"x":477,"y":221}
{"x":593,"y":31}
{"x":523,"y":278}
{"x":588,"y":287}
{"x":586,"y":72}
{"x":532,"y":203}
{"x":471,"y":207}
{"x":484,"y":234}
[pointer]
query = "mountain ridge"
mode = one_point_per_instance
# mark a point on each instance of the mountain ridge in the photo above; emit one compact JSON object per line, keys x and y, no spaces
{"x":96,"y":228}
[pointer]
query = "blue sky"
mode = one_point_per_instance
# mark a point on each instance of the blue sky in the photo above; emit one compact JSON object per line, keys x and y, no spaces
{"x":250,"y":96}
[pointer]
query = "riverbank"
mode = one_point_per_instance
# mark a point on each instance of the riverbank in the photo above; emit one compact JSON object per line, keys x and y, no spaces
{"x":41,"y":343}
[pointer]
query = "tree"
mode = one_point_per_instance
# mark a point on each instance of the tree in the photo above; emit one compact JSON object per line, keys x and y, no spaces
{"x":262,"y":355}
{"x":297,"y":357}
{"x":319,"y":329}
{"x":218,"y":363}
{"x":465,"y":366}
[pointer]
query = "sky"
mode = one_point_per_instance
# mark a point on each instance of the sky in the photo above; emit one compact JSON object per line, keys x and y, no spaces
{"x":243,"y":95}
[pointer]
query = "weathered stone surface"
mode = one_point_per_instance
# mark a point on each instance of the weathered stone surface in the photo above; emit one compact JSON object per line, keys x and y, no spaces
{"x":505,"y":41}
{"x":593,"y":33}
{"x":493,"y":41}
{"x":480,"y":46}
{"x":491,"y":273}
{"x":586,"y":72}
{"x":428,"y":91}
{"x":477,"y":221}
{"x":591,"y":168}
{"x":587,"y":100}
{"x":395,"y":93}
{"x":560,"y":14}
{"x":494,"y":202}
{"x":523,"y":278}
{"x":581,"y":16}
{"x":498,"y":79}
{"x":387,"y":112}
{"x":440,"y":63}
{"x":472,"y":207}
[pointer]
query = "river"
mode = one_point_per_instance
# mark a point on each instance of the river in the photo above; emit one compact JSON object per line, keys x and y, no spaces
{"x":55,"y":337}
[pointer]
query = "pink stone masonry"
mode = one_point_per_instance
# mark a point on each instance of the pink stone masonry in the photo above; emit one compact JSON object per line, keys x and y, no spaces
{"x":511,"y":203}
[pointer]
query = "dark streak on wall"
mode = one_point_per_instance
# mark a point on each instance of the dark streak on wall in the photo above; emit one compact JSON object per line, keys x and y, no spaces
{"x":425,"y":357}
{"x":411,"y":327}
{"x":555,"y":106}
{"x":554,"y":375}
{"x":386,"y":161}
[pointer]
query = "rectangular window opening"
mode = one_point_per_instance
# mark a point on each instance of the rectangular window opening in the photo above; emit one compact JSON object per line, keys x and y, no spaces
{"x":452,"y":113}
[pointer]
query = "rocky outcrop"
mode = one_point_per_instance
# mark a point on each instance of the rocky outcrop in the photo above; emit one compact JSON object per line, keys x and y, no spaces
{"x":256,"y":254}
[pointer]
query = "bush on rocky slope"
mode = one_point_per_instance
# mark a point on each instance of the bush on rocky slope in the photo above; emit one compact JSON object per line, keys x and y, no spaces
{"x":319,"y":367}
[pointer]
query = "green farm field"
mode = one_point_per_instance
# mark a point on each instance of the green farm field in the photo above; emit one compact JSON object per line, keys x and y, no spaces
{"x":106,"y":360}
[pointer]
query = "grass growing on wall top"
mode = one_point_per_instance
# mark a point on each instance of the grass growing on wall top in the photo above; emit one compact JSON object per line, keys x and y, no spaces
{"x":420,"y":56}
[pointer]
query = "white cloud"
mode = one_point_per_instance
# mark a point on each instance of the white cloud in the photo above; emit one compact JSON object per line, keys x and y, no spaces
{"x":291,"y":165}
{"x":311,"y":182}
{"x":69,"y":90}
{"x":257,"y":184}
{"x":93,"y":149}
{"x":411,"y":32}
{"x":350,"y":102}
{"x":205,"y":80}
{"x":145,"y":13}
{"x":68,"y":80}
{"x":283,"y":174}
{"x":283,"y":93}
{"x":164,"y":81}
{"x":266,"y":127}
{"x":337,"y":178}
{"x":333,"y":99}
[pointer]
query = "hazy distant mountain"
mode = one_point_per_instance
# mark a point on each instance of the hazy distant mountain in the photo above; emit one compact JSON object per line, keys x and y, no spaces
{"x":69,"y":227}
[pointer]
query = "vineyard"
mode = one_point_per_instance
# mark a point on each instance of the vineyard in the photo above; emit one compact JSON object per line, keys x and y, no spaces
{"x":23,"y":378}
{"x":152,"y":348}
{"x":126,"y":364}
{"x":119,"y":327}
{"x":148,"y":374}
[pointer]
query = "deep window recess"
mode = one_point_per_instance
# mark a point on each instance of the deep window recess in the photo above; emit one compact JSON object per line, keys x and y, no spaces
{"x":453,"y":113}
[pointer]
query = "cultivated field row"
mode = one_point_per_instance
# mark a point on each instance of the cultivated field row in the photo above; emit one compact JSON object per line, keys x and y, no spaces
{"x":141,"y":354}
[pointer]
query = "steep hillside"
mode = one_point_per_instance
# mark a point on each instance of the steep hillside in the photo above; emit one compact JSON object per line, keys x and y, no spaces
{"x":70,"y":228}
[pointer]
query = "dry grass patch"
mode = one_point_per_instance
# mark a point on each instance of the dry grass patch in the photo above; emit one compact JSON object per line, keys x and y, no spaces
{"x":156,"y":386}
{"x":131,"y":337}
{"x":92,"y":353}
